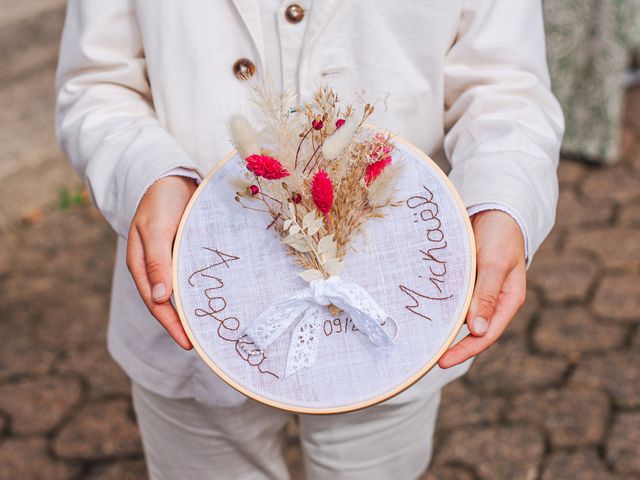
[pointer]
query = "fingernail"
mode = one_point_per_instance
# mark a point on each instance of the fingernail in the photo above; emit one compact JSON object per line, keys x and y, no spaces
{"x":480,"y":325}
{"x":158,"y":291}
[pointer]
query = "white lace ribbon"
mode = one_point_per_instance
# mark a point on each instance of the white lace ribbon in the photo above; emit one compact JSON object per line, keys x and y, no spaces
{"x":309,"y":305}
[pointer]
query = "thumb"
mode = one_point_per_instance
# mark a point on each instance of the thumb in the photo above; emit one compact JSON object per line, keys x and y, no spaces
{"x":157,"y":255}
{"x":485,"y":298}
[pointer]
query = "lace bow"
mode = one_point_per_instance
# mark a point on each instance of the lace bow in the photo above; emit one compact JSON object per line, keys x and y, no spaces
{"x":309,"y":305}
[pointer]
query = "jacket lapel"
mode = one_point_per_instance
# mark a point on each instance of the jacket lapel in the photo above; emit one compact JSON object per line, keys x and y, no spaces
{"x":249,"y":11}
{"x":321,"y":12}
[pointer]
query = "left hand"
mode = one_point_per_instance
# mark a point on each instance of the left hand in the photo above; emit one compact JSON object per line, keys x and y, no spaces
{"x":500,"y":284}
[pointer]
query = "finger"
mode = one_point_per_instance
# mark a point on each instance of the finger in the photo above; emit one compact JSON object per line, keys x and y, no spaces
{"x":489,"y":283}
{"x":165,"y":313}
{"x":509,"y":302}
{"x":157,"y":242}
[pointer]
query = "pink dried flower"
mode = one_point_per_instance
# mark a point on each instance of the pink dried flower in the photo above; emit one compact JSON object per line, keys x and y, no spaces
{"x":266,"y":167}
{"x":322,"y":191}
{"x":317,"y":124}
{"x":254,"y":189}
{"x":296,"y":197}
{"x":340,"y":122}
{"x":374,"y":169}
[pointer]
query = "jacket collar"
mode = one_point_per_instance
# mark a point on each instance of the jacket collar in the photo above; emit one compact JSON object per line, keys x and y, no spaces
{"x":249,"y":11}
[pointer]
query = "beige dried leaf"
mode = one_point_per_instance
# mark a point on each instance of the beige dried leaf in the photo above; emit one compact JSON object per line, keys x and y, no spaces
{"x":311,"y":274}
{"x":297,"y":242}
{"x":327,"y":246}
{"x":333,"y":266}
{"x":293,"y":229}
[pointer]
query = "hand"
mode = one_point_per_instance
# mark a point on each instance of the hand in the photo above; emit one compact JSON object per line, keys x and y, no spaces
{"x":151,"y":236}
{"x":500,"y":284}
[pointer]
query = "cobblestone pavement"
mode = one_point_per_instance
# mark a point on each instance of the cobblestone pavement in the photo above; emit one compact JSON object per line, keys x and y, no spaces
{"x":557,"y":398}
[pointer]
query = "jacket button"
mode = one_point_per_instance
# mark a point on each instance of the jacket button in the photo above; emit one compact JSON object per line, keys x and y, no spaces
{"x":294,"y":13}
{"x":244,"y":69}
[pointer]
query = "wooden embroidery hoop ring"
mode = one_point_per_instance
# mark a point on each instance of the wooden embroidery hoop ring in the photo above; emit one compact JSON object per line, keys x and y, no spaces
{"x":356,"y":406}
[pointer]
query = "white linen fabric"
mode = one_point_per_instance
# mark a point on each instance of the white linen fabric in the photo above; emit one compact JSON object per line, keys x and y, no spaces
{"x":415,"y":264}
{"x":146,"y":87}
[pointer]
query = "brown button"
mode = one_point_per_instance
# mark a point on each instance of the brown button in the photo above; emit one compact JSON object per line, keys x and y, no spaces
{"x":244,"y":69}
{"x":294,"y":13}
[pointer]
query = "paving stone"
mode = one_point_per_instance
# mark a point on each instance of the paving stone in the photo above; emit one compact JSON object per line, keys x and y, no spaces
{"x":572,"y":331}
{"x":508,"y":367}
{"x":562,"y":414}
{"x":68,"y":326}
{"x":471,"y":407}
{"x":617,"y":372}
{"x":512,"y":453}
{"x":94,"y":363}
{"x":582,"y":464}
{"x":20,"y":356}
{"x":576,"y":211}
{"x":616,"y":183}
{"x":628,"y":142}
{"x":27,"y":459}
{"x":618,"y":297}
{"x":564,"y":278}
{"x":630,"y":215}
{"x":447,"y":472}
{"x":622,"y":446}
{"x":617,"y":248}
{"x":37,"y":405}
{"x":571,"y":172}
{"x":550,"y":248}
{"x":123,"y":470}
{"x":100,"y":430}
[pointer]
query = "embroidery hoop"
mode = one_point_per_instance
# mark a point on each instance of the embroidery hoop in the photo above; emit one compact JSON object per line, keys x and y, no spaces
{"x":355,"y":406}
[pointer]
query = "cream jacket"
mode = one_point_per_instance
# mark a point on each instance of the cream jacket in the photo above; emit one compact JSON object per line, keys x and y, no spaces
{"x":145,"y":87}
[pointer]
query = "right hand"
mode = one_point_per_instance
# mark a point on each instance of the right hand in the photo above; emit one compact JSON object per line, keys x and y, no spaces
{"x":149,"y":246}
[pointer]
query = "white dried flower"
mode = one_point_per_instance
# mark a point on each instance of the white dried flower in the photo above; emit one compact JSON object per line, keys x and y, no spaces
{"x":382,"y":188}
{"x":243,"y":136}
{"x":341,"y":138}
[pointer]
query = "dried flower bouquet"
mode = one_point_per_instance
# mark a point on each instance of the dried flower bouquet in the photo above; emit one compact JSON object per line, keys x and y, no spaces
{"x":317,"y":173}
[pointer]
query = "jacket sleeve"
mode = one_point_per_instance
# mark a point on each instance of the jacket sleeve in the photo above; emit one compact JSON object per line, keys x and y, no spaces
{"x":504,"y":126}
{"x":105,"y":119}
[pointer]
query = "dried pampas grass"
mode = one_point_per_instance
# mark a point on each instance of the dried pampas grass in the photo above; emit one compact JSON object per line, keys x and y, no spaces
{"x":341,"y":139}
{"x":243,"y":136}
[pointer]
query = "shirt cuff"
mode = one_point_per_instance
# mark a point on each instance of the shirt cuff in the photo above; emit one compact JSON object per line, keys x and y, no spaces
{"x":481,"y":207}
{"x":181,"y":172}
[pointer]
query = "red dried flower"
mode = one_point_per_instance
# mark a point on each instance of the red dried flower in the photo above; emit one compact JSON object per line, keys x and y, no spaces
{"x":267,"y":167}
{"x":296,"y":197}
{"x":340,"y":122}
{"x":374,"y":169}
{"x":317,"y":124}
{"x":254,"y":189}
{"x":322,"y":191}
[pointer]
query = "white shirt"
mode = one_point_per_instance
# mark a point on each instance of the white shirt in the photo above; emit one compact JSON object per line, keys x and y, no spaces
{"x":140,"y":95}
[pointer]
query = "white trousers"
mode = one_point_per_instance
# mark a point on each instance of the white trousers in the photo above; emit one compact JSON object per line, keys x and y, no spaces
{"x":186,"y":440}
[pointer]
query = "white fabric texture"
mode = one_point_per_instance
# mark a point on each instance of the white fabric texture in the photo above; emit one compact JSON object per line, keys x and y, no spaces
{"x":471,"y":69}
{"x":415,"y":265}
